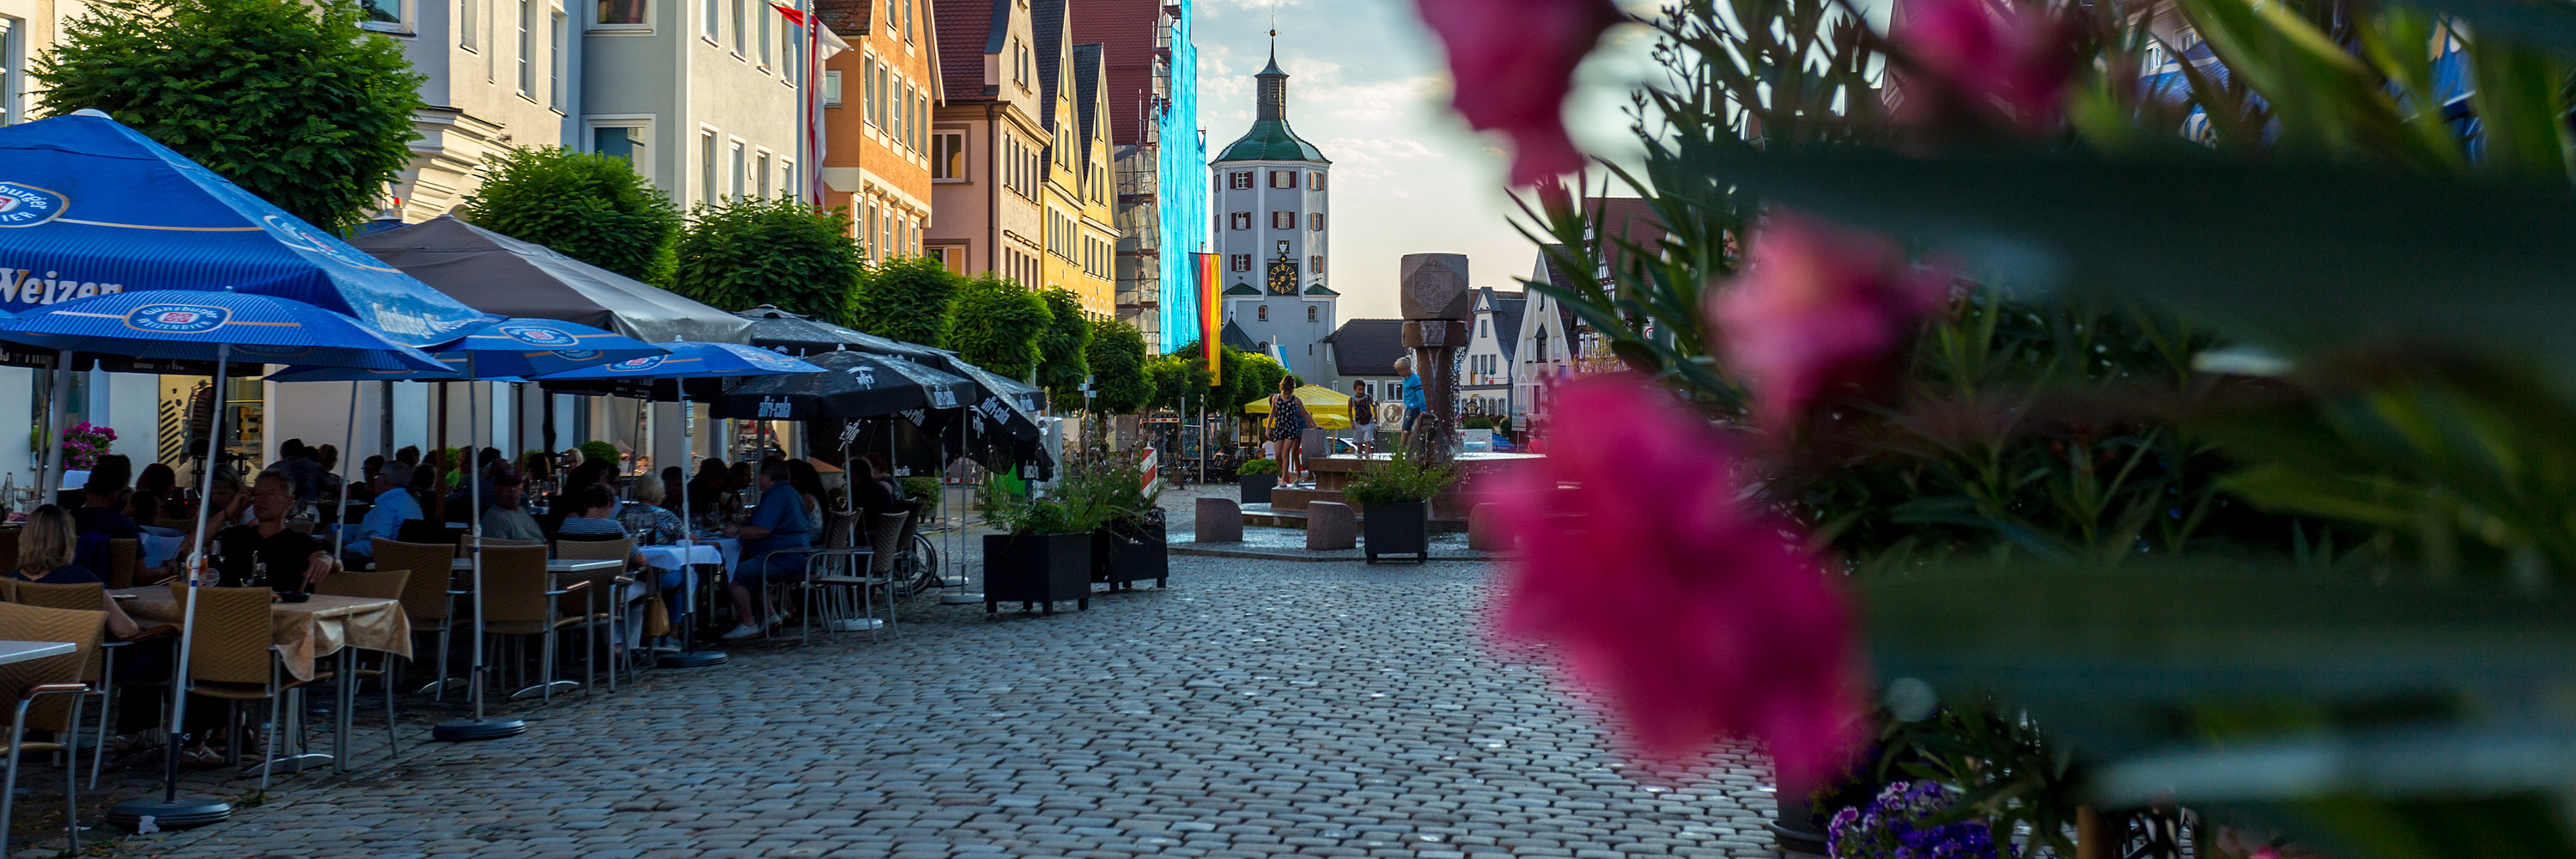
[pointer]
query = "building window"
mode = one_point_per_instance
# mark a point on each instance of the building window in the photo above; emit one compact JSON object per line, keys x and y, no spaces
{"x":790,"y":183}
{"x":1261,"y":313}
{"x":741,"y":22}
{"x":921,"y":124}
{"x":736,"y":187}
{"x":558,"y":50}
{"x":903,"y":100}
{"x":1315,"y":221}
{"x":1484,"y":328}
{"x":1240,"y":221}
{"x":1019,"y":65}
{"x":527,"y":49}
{"x":868,"y":89}
{"x":1313,"y":313}
{"x":619,"y":141}
{"x":831,"y":89}
{"x":1242,"y":262}
{"x":760,"y":170}
{"x":907,"y":20}
{"x":1283,"y":220}
{"x":1239,"y":179}
{"x":1315,"y":263}
{"x":714,"y":15}
{"x":627,"y":12}
{"x":765,"y":30}
{"x":381,"y":14}
{"x":948,"y":156}
{"x":1283,"y":178}
{"x":13,"y":70}
{"x":707,"y":165}
{"x":470,"y":14}
{"x":1315,"y":181}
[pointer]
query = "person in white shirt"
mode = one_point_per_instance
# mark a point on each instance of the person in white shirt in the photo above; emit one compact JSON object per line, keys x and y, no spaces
{"x":392,"y":507}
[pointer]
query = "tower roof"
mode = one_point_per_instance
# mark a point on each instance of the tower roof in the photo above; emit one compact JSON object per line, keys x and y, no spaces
{"x":1270,"y":139}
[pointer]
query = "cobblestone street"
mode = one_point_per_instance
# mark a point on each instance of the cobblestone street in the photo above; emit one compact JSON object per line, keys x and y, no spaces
{"x":1255,"y":708}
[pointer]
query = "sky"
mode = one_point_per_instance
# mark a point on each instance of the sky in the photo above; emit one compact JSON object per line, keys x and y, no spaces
{"x":1368,"y":85}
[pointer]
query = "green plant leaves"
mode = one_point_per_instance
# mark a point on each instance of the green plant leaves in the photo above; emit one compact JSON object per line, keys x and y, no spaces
{"x":746,"y":251}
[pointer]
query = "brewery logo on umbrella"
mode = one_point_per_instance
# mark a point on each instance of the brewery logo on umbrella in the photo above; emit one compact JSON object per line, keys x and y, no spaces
{"x":28,"y":205}
{"x":540,"y":336}
{"x":294,"y":234}
{"x":631,"y":365}
{"x":865,"y":375}
{"x":177,"y":318}
{"x":773,"y":407}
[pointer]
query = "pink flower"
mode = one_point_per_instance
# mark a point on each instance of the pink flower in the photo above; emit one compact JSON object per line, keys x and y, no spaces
{"x":1697,"y":613}
{"x":1817,"y":308}
{"x":1983,"y":55}
{"x":1513,"y":63}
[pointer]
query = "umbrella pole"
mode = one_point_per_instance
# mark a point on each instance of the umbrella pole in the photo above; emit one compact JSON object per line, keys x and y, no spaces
{"x":477,"y":728}
{"x":172,"y":812}
{"x":689,"y":656}
{"x":956,"y":530}
{"x":348,"y":452}
{"x":51,"y":472}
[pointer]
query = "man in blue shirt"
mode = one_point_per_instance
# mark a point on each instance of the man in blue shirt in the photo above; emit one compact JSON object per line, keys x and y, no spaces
{"x":1412,"y":391}
{"x":393,"y":505}
{"x":770,"y":546}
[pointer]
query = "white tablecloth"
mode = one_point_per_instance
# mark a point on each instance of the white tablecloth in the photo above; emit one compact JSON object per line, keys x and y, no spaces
{"x":675,"y":557}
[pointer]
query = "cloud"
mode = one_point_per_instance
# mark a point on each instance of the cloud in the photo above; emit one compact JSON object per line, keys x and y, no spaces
{"x":1376,"y":150}
{"x":1382,"y":100}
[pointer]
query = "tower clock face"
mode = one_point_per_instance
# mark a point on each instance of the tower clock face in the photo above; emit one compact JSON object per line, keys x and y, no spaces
{"x":1283,"y":277}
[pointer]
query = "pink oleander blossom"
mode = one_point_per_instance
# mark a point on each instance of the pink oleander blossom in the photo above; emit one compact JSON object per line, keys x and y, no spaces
{"x":1698,"y":614}
{"x":1817,"y":308}
{"x":1513,"y":63}
{"x":1982,"y":55}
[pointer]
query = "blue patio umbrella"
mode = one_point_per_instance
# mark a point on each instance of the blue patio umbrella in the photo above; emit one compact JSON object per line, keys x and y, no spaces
{"x":90,"y":207}
{"x":688,"y":360}
{"x":215,"y":326}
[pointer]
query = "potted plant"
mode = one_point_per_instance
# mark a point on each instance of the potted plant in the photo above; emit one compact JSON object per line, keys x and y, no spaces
{"x":1395,"y":506}
{"x":1258,"y":476}
{"x":1043,"y":553}
{"x":1129,"y":546}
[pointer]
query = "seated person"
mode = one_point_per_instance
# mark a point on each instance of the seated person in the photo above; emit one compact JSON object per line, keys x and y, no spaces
{"x":393,"y":507}
{"x":502,"y":518}
{"x":45,"y":555}
{"x":294,"y":561}
{"x":646,"y":518}
{"x":771,"y":544}
{"x":594,"y":517}
{"x":102,"y":510}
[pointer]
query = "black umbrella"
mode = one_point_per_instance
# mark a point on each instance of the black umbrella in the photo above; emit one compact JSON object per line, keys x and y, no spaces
{"x":772,"y":328}
{"x":855,"y":385}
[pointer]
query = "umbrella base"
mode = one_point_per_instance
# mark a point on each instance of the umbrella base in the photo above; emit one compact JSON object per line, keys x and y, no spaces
{"x":693,"y":659}
{"x":961,"y":599}
{"x":183,"y":813}
{"x":468,"y":730}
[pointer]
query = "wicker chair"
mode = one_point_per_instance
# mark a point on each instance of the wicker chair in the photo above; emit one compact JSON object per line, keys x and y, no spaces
{"x":101,"y":674}
{"x":610,"y":592}
{"x":234,"y":659}
{"x":429,"y":592}
{"x":519,"y":599}
{"x":49,"y":693}
{"x":121,"y":562}
{"x":380,"y":585}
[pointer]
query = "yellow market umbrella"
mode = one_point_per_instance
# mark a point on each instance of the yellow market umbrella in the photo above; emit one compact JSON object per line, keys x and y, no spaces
{"x":1325,"y":407}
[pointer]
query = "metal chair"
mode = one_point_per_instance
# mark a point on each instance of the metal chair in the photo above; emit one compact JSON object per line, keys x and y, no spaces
{"x":41,"y":687}
{"x":101,"y":674}
{"x":610,"y":586}
{"x":429,"y":593}
{"x":380,"y":585}
{"x":519,"y":599}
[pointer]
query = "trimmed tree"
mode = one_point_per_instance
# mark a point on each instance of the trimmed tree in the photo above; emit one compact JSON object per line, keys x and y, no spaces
{"x":998,"y":325}
{"x":1117,"y":359}
{"x":1061,"y":347}
{"x":1256,"y":377}
{"x":748,"y":251}
{"x":912,"y":299}
{"x":1180,"y":381}
{"x":585,"y":205}
{"x":290,"y":99}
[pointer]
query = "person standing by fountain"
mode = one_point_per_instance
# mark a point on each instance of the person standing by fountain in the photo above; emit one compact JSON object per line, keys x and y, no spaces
{"x":1288,"y":430}
{"x":1363,"y":419}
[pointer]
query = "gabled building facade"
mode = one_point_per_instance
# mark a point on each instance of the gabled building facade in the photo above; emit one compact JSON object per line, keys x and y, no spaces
{"x":878,"y":98}
{"x":1554,"y":344}
{"x":989,"y":143}
{"x":1362,"y":354}
{"x":1270,"y":194}
{"x":701,"y":95}
{"x":1485,"y":369}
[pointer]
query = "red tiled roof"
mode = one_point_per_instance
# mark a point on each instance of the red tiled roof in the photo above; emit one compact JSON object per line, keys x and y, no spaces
{"x":846,"y":17}
{"x":969,"y":29}
{"x":1126,"y":31}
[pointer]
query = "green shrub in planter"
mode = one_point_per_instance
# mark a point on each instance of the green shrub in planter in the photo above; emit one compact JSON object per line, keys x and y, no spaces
{"x":599,"y":452}
{"x":1258,"y":477}
{"x":1395,"y":506}
{"x":1258,"y":466}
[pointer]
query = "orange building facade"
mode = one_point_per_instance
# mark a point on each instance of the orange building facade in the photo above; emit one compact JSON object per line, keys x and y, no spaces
{"x":878,"y":100}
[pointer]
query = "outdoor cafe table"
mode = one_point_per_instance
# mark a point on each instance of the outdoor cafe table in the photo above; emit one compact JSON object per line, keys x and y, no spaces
{"x":21,"y":651}
{"x":323,"y":625}
{"x":556,"y":565}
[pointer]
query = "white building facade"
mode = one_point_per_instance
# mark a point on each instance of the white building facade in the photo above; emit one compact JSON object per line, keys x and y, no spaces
{"x":1270,"y":199}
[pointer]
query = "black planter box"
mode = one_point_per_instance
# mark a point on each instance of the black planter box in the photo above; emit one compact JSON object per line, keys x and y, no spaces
{"x":1794,"y":827}
{"x":1121,"y":563}
{"x":1256,"y":487}
{"x":1039,"y":568}
{"x":1401,"y":528}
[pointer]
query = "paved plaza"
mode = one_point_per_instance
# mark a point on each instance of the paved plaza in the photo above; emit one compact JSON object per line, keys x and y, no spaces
{"x":1255,"y":708}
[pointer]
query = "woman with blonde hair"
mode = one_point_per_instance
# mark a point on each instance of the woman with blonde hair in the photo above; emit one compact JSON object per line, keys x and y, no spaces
{"x":45,"y":548}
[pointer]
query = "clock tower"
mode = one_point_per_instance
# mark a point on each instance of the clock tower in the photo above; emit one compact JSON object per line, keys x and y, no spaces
{"x":1270,"y":191}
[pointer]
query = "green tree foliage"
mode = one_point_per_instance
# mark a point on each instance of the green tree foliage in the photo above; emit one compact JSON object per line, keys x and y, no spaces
{"x":588,"y":206}
{"x":1117,"y":358}
{"x":1251,"y":377}
{"x":912,"y":299}
{"x":998,"y":326}
{"x":1180,"y":380}
{"x":1061,"y":348}
{"x":290,"y":99}
{"x":747,"y":252}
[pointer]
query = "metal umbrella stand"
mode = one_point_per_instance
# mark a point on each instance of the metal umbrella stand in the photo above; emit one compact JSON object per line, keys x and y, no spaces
{"x":197,"y":326}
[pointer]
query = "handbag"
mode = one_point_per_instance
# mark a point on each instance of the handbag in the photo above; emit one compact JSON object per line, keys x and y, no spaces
{"x":657,"y":618}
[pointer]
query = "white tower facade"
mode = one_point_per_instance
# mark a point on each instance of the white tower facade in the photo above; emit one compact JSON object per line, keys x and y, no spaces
{"x":1271,"y":199}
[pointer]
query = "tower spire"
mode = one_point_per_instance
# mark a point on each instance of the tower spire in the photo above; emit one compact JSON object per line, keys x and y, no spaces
{"x":1273,"y":83}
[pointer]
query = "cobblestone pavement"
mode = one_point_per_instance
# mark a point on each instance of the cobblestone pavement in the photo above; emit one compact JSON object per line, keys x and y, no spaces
{"x":1254,"y":709}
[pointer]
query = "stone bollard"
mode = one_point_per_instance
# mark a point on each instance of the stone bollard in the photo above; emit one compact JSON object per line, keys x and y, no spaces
{"x":1331,"y":525}
{"x":1485,"y":529}
{"x":1219,"y":521}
